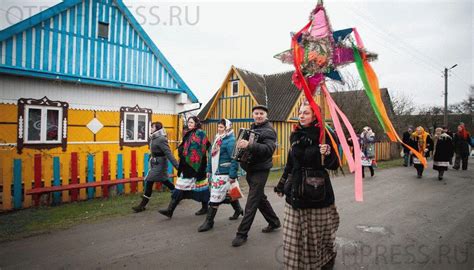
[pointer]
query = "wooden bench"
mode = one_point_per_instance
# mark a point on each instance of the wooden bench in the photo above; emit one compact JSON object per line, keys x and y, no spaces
{"x":107,"y":183}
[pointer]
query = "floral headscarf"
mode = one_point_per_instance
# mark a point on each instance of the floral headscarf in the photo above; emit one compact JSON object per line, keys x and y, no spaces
{"x":216,"y":146}
{"x":195,"y":148}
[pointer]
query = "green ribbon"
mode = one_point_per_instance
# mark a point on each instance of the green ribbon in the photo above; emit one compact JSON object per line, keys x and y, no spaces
{"x":368,"y":89}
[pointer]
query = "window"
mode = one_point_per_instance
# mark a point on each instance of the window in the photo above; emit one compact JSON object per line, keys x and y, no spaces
{"x":136,"y":127}
{"x":135,"y":124}
{"x":103,"y":30}
{"x":43,"y":124}
{"x":235,"y":88}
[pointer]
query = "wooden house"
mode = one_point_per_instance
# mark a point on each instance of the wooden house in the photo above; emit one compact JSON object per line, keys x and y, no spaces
{"x":80,"y":84}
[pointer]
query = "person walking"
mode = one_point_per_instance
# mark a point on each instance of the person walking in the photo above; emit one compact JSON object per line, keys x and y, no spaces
{"x":221,"y":172}
{"x":443,"y":152}
{"x":421,"y":141}
{"x":367,"y":144}
{"x":158,"y":172}
{"x":258,"y":170}
{"x":311,"y":218}
{"x":407,"y":161}
{"x":192,"y":182}
{"x":461,"y":142}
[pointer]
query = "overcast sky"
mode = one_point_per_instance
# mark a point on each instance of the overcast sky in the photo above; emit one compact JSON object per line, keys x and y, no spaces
{"x":415,"y":40}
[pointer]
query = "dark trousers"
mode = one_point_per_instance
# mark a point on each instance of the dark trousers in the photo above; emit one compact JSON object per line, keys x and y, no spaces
{"x":407,"y":160}
{"x":149,"y":187}
{"x":257,"y":200}
{"x":371,"y":168}
{"x":460,"y":159}
{"x":419,"y":168}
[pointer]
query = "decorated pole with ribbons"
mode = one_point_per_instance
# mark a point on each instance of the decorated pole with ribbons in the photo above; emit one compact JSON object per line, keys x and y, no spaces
{"x":316,"y":52}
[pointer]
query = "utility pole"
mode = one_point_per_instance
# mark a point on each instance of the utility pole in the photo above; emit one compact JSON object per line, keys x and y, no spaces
{"x":445,"y":120}
{"x":446,"y":94}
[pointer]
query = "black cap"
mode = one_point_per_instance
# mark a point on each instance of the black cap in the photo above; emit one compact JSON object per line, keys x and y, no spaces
{"x":260,"y":107}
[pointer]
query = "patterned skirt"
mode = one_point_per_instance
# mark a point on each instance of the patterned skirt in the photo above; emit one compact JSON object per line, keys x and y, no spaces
{"x":309,"y":237}
{"x":219,"y":185}
{"x":190,"y":188}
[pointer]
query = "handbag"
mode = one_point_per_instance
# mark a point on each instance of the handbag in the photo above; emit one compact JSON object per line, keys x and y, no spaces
{"x":235,"y":192}
{"x":313,"y":186}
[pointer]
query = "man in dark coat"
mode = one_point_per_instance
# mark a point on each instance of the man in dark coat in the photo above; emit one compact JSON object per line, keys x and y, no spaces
{"x":406,"y":152}
{"x":258,"y":169}
{"x":158,"y":172}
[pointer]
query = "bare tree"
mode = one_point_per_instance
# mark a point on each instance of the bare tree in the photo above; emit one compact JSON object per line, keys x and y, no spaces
{"x":403,"y":106}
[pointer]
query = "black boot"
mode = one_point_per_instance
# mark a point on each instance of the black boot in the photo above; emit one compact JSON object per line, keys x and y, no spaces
{"x":239,"y":240}
{"x":141,"y":207}
{"x":440,"y":175}
{"x":203,"y":209}
{"x":209,"y":222}
{"x":169,"y":211}
{"x":329,"y":265}
{"x":238,"y":210}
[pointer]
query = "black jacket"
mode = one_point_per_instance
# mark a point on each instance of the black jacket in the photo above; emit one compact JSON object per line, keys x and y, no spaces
{"x":443,"y":150}
{"x":429,"y":145}
{"x":305,"y":153}
{"x":461,"y":145}
{"x":406,"y":140}
{"x":261,"y":150}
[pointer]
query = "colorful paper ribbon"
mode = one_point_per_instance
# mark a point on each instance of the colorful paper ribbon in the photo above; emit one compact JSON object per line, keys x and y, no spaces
{"x":354,"y":162}
{"x":372,"y":89}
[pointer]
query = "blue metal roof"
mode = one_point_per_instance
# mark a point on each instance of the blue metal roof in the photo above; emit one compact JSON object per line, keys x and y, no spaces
{"x":62,"y":43}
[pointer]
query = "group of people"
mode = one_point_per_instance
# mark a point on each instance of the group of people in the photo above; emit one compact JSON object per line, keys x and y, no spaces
{"x":206,"y":171}
{"x":442,"y":146}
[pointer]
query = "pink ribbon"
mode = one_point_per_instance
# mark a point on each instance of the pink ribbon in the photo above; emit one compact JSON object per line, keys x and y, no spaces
{"x":354,"y":162}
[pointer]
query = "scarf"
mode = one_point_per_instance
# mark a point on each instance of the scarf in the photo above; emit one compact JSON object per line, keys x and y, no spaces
{"x":305,"y":136}
{"x":195,"y":145}
{"x":216,"y":146}
{"x":420,"y":138}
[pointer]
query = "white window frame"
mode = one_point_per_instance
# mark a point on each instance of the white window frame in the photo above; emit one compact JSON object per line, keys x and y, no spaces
{"x":44,"y":111}
{"x":135,"y":127}
{"x":232,"y":88}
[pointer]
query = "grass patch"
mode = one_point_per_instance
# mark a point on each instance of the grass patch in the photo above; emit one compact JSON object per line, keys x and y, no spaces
{"x":386,"y":164}
{"x":33,"y":221}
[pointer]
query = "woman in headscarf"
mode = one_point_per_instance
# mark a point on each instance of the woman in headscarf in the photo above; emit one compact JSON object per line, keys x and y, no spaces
{"x":160,"y":155}
{"x":192,"y":182}
{"x":443,"y":152}
{"x":421,"y":141}
{"x":461,"y":147}
{"x":221,"y":172}
{"x":311,"y":218}
{"x":367,"y":144}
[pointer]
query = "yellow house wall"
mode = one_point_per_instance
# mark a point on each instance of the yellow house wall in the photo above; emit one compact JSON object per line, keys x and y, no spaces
{"x":80,"y":140}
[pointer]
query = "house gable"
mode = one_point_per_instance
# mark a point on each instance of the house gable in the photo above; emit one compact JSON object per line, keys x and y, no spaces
{"x":225,"y":104}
